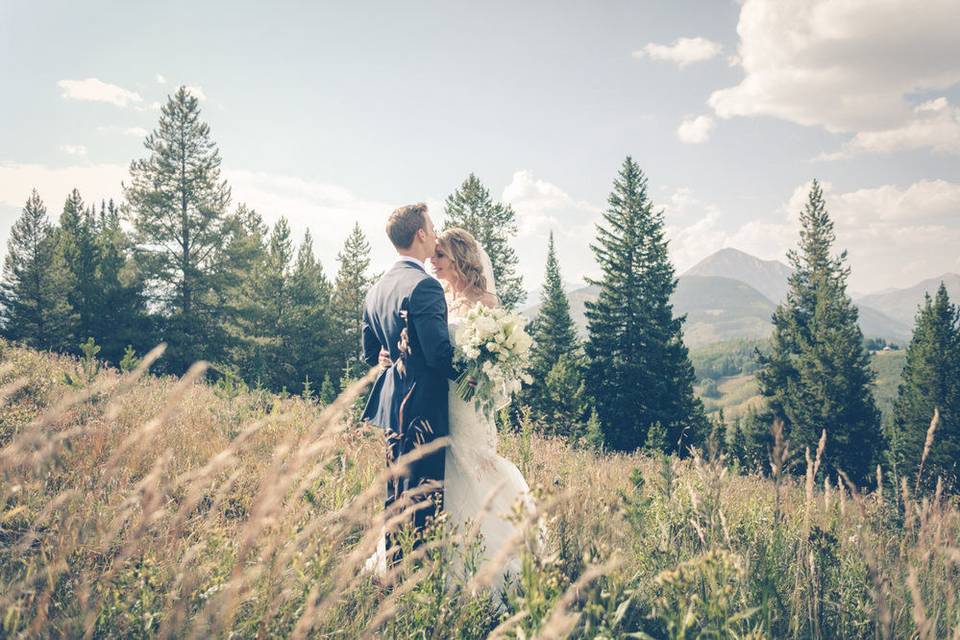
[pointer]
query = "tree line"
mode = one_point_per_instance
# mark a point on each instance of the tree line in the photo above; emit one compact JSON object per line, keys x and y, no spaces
{"x":175,"y":263}
{"x":218,"y":284}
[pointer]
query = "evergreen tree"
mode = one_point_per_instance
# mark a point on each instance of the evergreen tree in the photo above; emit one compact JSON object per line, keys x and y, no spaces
{"x":259,"y":275}
{"x":328,"y":392}
{"x":492,"y":224}
{"x":121,"y":319}
{"x":639,"y":372}
{"x":555,"y":397}
{"x":77,"y":244}
{"x":33,"y":294}
{"x":564,"y":401}
{"x":349,"y":294}
{"x":817,"y":374}
{"x":309,"y":332}
{"x":930,"y":379}
{"x":178,"y":206}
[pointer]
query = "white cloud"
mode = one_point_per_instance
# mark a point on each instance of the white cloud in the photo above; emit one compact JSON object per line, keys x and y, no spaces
{"x":54,"y":183}
{"x":695,"y":130}
{"x":682,"y":52}
{"x":935,"y":125}
{"x":95,"y":182}
{"x":197,"y":92}
{"x":895,"y":236}
{"x":328,"y":210}
{"x":95,"y":90}
{"x":542,"y":207}
{"x":74,"y":149}
{"x":850,"y":67}
{"x":160,"y":79}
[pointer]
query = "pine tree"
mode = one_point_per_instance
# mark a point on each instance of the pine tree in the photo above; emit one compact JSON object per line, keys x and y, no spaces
{"x":564,"y":402}
{"x":178,"y":204}
{"x":639,"y":372}
{"x":817,"y":374}
{"x":121,"y":318}
{"x":33,"y":294}
{"x":328,"y":392}
{"x":77,"y":245}
{"x":555,"y":397}
{"x":492,"y":224}
{"x":349,"y":294}
{"x":930,"y":380}
{"x":309,"y":331}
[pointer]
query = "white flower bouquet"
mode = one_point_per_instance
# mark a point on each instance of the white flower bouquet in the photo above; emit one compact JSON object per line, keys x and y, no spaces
{"x":494,"y":349}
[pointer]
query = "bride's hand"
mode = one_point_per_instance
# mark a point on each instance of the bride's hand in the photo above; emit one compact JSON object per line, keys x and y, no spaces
{"x":385,"y":361}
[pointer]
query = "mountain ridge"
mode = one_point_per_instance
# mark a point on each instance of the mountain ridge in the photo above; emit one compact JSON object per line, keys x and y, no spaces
{"x":731,"y":294}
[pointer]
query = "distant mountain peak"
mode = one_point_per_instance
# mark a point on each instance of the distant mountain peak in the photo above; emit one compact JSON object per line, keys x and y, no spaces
{"x":769,"y":277}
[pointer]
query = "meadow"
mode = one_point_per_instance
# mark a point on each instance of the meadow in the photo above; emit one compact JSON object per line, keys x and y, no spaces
{"x":137,"y":506}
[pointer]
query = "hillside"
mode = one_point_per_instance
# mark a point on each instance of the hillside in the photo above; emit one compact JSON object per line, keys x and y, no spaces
{"x":719,"y":309}
{"x":769,"y":277}
{"x":901,"y":304}
{"x":726,"y":380}
{"x":149,"y":507}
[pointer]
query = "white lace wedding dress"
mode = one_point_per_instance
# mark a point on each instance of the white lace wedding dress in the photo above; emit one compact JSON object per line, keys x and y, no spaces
{"x":476,"y":476}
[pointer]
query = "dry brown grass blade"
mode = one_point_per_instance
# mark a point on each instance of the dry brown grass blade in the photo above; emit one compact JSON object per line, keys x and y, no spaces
{"x":927,"y":444}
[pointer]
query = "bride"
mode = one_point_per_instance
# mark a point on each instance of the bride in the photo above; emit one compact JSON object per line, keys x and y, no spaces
{"x":479,"y":483}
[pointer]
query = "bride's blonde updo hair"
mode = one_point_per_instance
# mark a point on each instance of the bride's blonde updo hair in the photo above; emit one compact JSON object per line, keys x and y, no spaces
{"x":464,"y":253}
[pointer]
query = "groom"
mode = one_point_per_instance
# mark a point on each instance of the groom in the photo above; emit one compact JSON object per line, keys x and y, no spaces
{"x":406,"y":314}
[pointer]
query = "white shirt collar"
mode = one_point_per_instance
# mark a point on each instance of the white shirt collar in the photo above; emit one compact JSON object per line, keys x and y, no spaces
{"x":413,"y":260}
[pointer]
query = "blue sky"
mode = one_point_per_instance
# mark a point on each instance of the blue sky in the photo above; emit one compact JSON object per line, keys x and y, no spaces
{"x":331,"y":114}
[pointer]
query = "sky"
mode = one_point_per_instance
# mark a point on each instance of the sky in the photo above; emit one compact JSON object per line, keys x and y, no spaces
{"x":332,"y":113}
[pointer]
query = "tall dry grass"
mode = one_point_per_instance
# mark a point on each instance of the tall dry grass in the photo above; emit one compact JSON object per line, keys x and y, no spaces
{"x":135,"y":506}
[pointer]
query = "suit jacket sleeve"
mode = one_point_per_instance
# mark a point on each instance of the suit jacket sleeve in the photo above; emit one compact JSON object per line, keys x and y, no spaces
{"x":428,"y":315}
{"x":370,"y":342}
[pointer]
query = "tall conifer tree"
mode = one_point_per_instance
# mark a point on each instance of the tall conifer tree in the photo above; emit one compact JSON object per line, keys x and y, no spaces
{"x":492,"y":224}
{"x":78,"y":246}
{"x":309,"y":330}
{"x":121,"y":318}
{"x":34,"y":290}
{"x":178,"y":204}
{"x":639,"y":372}
{"x":817,"y":374}
{"x":556,"y":400}
{"x":349,"y":294}
{"x":930,"y":380}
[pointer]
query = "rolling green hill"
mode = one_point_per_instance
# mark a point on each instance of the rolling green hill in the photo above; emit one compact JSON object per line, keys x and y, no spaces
{"x":726,"y":380}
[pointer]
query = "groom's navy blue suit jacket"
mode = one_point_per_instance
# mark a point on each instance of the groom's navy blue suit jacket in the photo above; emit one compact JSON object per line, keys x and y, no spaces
{"x":406,"y":297}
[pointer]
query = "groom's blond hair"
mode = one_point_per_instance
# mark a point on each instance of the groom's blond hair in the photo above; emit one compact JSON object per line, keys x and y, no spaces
{"x":403,"y":224}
